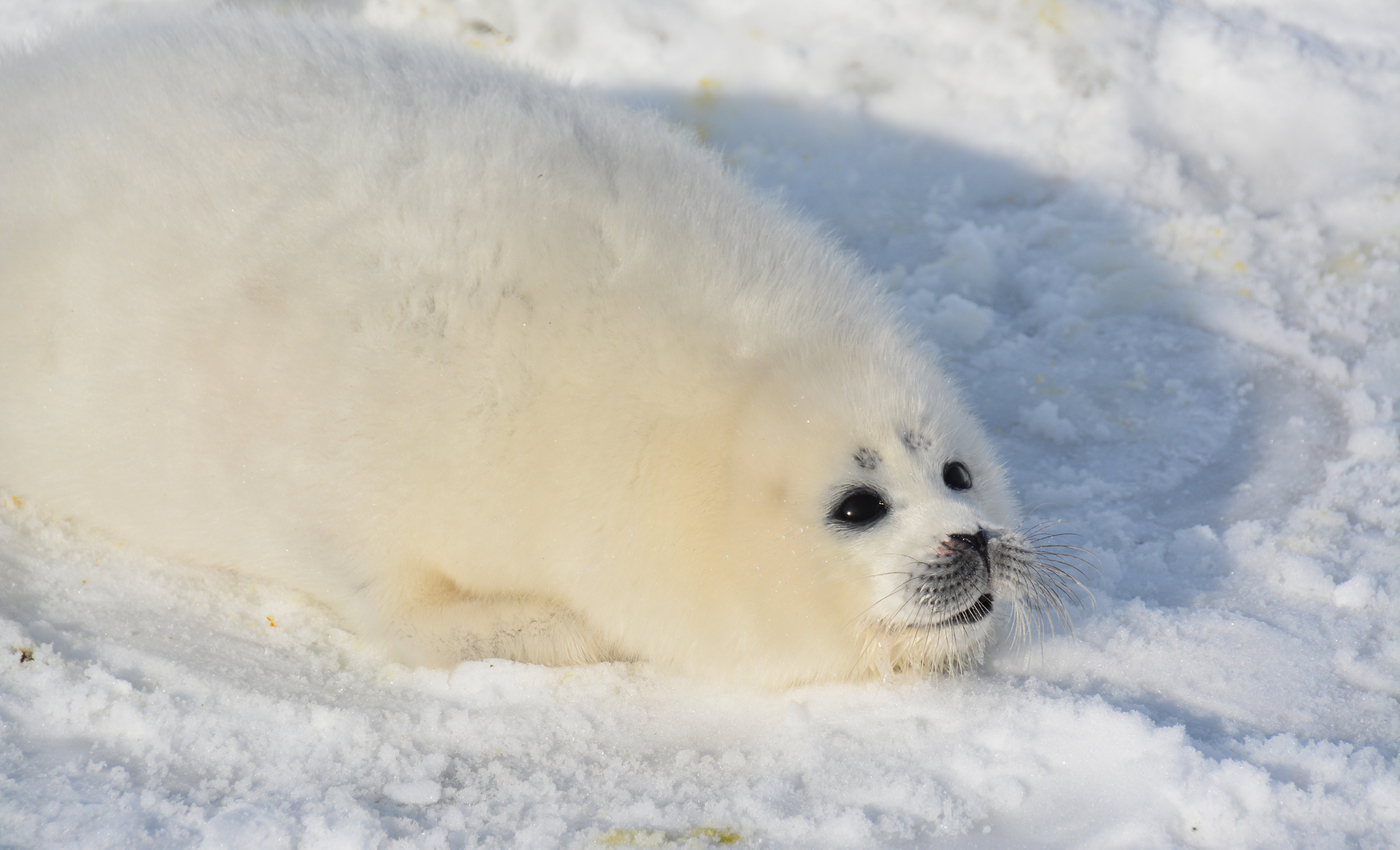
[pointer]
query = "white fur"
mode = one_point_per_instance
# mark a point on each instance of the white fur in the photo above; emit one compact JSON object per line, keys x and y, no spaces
{"x":495,"y":368}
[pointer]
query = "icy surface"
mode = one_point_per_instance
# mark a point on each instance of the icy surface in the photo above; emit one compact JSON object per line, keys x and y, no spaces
{"x":1160,"y":243}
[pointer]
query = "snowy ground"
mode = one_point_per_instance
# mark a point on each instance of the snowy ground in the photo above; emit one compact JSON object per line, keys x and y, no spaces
{"x":1160,"y":242}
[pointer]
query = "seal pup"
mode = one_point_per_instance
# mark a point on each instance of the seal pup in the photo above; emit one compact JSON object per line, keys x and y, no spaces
{"x":493,"y":367}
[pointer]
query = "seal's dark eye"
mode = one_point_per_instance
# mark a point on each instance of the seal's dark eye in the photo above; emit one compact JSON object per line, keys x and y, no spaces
{"x":957,"y":476}
{"x":860,"y":507}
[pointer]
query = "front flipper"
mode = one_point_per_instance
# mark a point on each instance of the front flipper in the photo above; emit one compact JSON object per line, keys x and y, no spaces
{"x":430,"y":621}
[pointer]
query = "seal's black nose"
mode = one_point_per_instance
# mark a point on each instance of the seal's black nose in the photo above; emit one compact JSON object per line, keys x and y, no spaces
{"x":976,"y":541}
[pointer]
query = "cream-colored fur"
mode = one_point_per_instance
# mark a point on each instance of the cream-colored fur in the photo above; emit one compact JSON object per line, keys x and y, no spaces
{"x":493,"y":367}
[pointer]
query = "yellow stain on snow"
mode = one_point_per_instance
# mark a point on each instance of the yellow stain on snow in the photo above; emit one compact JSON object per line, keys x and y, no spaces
{"x":709,"y":90}
{"x":481,"y":35}
{"x":1206,"y":245}
{"x":661,"y":838}
{"x":271,"y":622}
{"x":1347,"y":264}
{"x":1301,"y":545}
{"x":1051,"y":13}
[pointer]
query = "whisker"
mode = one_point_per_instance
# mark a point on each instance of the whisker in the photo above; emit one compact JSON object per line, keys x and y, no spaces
{"x":898,"y":589}
{"x":1039,"y":573}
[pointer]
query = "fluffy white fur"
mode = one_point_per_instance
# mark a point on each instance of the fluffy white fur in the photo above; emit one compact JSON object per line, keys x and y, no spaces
{"x":493,"y":367}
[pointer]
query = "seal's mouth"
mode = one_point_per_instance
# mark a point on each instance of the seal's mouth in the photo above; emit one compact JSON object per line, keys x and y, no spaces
{"x":976,"y":613}
{"x":979,"y":610}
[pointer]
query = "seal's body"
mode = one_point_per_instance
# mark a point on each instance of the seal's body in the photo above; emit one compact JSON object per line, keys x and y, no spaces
{"x":493,"y":367}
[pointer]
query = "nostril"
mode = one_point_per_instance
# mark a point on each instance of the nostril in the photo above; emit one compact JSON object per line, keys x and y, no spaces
{"x":976,"y":541}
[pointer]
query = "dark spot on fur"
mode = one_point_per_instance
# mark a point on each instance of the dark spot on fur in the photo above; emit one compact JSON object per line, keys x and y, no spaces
{"x":867,"y":458}
{"x":915,"y":442}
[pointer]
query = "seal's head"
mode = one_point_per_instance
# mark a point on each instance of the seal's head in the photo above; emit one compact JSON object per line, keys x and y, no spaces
{"x":863,"y":526}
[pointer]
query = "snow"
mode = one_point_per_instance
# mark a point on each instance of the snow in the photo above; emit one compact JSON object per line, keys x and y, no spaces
{"x":1158,"y":240}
